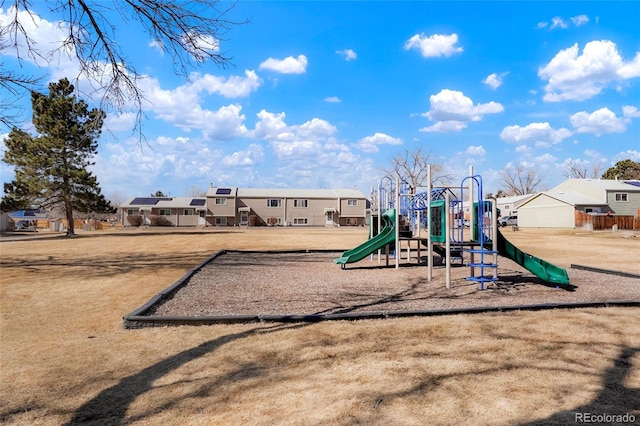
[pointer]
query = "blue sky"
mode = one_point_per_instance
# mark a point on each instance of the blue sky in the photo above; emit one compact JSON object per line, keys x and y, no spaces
{"x":324,"y":94}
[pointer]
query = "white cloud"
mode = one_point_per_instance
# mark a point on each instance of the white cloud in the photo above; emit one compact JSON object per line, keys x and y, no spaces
{"x":574,"y":76}
{"x":370,"y":143}
{"x":179,"y":159}
{"x":332,"y":99}
{"x":310,"y":139}
{"x":545,"y":158}
{"x":316,"y":129}
{"x":348,"y":54}
{"x":181,"y":107}
{"x":630,"y":111}
{"x":445,"y":126}
{"x":271,"y":126}
{"x":434,"y":45}
{"x":250,"y":157}
{"x":494,"y":80}
{"x":598,"y":122}
{"x":288,"y":65}
{"x":538,"y":133}
{"x":196,"y":43}
{"x":579,"y":20}
{"x":631,"y":69}
{"x":631,"y":154}
{"x":119,"y":122}
{"x":296,"y":149}
{"x":230,"y":87}
{"x":476,"y":151}
{"x":452,"y":110}
{"x":157,"y":45}
{"x":223,"y":124}
{"x":47,"y":38}
{"x":558,"y":22}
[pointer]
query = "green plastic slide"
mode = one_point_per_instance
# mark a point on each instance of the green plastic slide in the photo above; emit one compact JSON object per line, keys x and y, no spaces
{"x":386,"y":236}
{"x":540,"y":268}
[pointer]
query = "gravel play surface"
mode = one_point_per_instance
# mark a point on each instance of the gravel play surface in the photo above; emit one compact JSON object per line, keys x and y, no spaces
{"x":250,"y":283}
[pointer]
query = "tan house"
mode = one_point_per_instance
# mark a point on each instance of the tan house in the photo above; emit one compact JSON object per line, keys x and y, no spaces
{"x":285,"y":207}
{"x":178,"y":211}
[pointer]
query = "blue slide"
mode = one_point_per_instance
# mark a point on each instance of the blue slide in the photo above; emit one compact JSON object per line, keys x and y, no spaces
{"x":386,"y":236}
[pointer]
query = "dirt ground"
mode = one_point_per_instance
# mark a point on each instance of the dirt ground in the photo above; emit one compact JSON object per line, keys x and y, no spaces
{"x":250,"y":283}
{"x":65,"y":358}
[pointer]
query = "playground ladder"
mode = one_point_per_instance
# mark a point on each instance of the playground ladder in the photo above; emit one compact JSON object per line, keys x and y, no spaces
{"x":482,"y":265}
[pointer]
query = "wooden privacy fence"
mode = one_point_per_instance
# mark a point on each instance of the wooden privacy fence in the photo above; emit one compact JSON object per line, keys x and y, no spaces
{"x":602,"y":221}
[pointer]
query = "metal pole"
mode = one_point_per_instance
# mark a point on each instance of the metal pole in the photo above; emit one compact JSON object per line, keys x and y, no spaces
{"x":472,"y":221}
{"x":379,"y":215}
{"x":429,"y":248}
{"x":397,"y":202}
{"x":447,"y":239}
{"x":494,"y":235}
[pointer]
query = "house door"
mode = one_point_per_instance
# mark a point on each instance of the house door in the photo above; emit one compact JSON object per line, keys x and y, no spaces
{"x":329,"y":219}
{"x":201,"y":218}
{"x":244,"y":218}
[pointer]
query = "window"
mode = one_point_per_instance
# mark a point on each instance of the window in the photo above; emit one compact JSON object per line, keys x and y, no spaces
{"x":131,"y":212}
{"x":221,"y":201}
{"x":506,"y":206}
{"x":274,"y":202}
{"x":187,"y":212}
{"x":352,"y":202}
{"x":221,"y":221}
{"x":300,"y":221}
{"x":165,"y":212}
{"x":300,"y":203}
{"x":622,"y":197}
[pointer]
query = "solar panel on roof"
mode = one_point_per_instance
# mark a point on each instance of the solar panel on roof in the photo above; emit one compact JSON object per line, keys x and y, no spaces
{"x":145,"y":201}
{"x":223,"y":191}
{"x":633,"y":182}
{"x":197,"y":202}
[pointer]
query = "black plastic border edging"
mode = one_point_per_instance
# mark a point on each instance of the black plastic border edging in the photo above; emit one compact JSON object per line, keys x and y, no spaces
{"x":138,"y":319}
{"x":605,"y":271}
{"x":132,"y":322}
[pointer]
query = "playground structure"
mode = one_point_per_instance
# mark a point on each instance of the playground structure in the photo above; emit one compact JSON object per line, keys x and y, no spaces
{"x":438,"y":219}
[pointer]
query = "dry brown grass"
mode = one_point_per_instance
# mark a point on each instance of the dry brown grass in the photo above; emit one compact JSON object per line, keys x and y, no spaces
{"x":66,"y":359}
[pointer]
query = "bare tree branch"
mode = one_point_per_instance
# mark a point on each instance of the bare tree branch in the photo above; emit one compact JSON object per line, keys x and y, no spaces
{"x":520,"y":181}
{"x":189,"y":31}
{"x":580,"y":170}
{"x":412,"y":166}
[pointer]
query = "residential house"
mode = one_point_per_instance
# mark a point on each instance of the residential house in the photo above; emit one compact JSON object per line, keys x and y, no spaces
{"x":508,"y":206}
{"x":556,"y":208}
{"x":179,"y":211}
{"x":231,"y":206}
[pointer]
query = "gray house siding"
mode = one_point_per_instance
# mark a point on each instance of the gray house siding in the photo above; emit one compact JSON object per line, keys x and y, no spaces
{"x":625,"y":208}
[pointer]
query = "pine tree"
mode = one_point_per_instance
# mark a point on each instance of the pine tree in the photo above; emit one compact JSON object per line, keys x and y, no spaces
{"x":625,"y":169}
{"x":51,"y":168}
